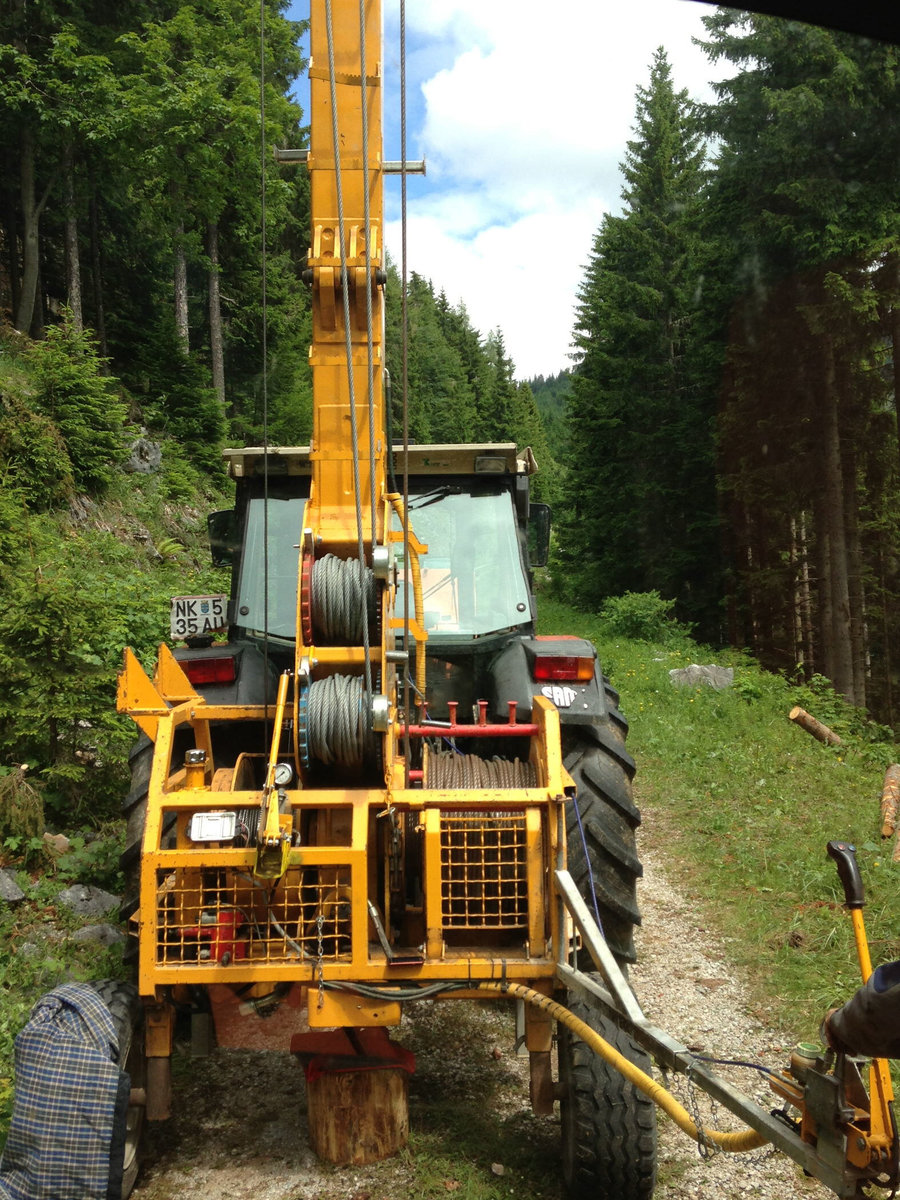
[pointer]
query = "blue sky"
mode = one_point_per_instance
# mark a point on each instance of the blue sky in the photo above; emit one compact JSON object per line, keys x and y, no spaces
{"x":522,"y":110}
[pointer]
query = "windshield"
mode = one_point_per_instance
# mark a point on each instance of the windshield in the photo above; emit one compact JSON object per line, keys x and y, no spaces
{"x":285,"y":521}
{"x":473,"y":582}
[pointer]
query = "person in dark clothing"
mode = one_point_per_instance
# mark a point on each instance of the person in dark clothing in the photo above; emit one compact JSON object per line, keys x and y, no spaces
{"x":869,"y":1023}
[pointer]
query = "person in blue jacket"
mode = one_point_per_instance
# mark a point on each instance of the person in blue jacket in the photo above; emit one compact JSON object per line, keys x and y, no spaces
{"x":869,"y":1023}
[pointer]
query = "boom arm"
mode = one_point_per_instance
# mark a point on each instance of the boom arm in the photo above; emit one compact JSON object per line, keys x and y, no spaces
{"x":346,"y":267}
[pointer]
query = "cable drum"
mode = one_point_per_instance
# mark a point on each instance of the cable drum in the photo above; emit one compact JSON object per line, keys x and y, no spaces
{"x":337,"y":724}
{"x":343,"y":591}
{"x":447,"y":770}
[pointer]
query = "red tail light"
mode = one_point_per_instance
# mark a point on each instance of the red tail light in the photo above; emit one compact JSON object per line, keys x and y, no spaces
{"x":556,"y":667}
{"x":209,"y":670}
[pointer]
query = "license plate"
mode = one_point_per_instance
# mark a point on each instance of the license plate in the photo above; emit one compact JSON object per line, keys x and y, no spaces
{"x":196,"y":616}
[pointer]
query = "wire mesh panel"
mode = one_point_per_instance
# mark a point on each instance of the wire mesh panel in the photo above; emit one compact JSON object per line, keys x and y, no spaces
{"x":225,"y":916}
{"x":484,"y":880}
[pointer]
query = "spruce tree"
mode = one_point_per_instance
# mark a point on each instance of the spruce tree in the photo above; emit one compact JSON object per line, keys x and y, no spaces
{"x":641,"y":480}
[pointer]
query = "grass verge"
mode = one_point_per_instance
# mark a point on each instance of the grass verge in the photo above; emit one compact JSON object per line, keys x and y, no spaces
{"x":747,"y":802}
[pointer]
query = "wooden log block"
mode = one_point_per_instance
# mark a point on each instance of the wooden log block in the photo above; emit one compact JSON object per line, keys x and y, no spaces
{"x":358,"y":1116}
{"x":890,"y":800}
{"x":802,"y":718}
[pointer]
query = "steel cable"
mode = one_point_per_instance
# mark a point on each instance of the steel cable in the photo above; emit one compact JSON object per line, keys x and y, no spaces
{"x":449,"y":771}
{"x":336,"y":720}
{"x":343,"y":593}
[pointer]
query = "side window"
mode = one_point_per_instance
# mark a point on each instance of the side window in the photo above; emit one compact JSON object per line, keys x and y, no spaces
{"x":282,"y":521}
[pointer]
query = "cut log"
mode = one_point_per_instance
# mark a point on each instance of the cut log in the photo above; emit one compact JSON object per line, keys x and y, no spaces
{"x":802,"y":718}
{"x":890,"y":800}
{"x":359,"y":1116}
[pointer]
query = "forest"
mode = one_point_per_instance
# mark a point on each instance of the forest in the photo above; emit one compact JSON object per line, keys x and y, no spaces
{"x":726,"y":437}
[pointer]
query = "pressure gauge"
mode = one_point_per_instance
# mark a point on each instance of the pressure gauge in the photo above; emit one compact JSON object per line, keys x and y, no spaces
{"x":284,"y":773}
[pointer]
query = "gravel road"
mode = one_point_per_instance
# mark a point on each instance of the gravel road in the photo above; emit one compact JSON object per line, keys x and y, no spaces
{"x":686,"y":986}
{"x":241,"y":1132}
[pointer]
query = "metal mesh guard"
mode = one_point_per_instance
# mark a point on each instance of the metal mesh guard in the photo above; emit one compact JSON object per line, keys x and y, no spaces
{"x":484,"y":881}
{"x":221,"y":916}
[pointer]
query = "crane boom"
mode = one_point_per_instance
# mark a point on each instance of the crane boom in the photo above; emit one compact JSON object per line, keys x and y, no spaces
{"x":346,"y":245}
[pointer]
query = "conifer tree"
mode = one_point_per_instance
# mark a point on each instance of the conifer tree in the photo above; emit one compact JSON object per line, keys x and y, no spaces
{"x":803,"y":210}
{"x":641,"y":470}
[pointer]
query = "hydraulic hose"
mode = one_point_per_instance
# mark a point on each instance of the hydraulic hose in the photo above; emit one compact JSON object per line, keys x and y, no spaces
{"x":732,"y":1142}
{"x":418,"y":597}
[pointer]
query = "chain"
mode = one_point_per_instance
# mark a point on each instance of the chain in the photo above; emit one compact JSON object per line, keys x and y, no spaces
{"x":320,"y":960}
{"x":706,"y":1148}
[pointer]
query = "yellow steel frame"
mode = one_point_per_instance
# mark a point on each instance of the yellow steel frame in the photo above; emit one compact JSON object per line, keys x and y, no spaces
{"x":347,"y":462}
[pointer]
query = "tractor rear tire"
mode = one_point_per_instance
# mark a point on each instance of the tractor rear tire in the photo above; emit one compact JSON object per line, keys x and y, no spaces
{"x":608,"y":1125}
{"x":602,"y":854}
{"x":134,"y":809}
{"x":127,"y":1013}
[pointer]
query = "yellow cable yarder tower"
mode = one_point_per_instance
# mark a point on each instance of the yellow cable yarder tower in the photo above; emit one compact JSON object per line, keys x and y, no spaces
{"x":363,"y":780}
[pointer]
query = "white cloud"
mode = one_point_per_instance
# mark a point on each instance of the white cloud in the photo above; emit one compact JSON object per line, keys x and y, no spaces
{"x":527,"y":110}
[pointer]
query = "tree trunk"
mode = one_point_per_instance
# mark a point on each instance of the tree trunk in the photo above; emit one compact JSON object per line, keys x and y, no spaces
{"x":819,"y":731}
{"x":182,"y":325}
{"x":73,"y":261}
{"x":97,"y":276}
{"x":216,"y":348}
{"x":837,"y":597}
{"x":855,"y":584}
{"x":30,"y":242}
{"x":894,"y":324}
{"x":11,"y":230}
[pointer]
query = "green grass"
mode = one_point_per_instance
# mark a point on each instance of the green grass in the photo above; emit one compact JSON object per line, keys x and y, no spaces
{"x":747,"y":801}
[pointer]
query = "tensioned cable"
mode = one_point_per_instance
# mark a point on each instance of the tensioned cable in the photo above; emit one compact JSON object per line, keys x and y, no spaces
{"x":404,"y":390}
{"x":335,"y":135}
{"x":265,"y":356}
{"x":367,"y":225}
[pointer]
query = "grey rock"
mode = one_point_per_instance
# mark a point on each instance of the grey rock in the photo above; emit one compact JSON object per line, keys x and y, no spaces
{"x":144,"y":457}
{"x":9,"y":889}
{"x":87,"y":901}
{"x":697,"y":676}
{"x":103,"y":934}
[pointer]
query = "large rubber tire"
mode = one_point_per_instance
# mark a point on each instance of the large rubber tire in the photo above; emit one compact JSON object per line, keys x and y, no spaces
{"x":134,"y":808}
{"x":127,"y":1013}
{"x":608,"y":1125}
{"x":601,"y":846}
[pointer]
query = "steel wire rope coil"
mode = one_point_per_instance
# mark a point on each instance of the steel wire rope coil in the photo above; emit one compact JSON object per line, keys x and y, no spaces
{"x":343,"y":592}
{"x":336,"y":726}
{"x":446,"y":770}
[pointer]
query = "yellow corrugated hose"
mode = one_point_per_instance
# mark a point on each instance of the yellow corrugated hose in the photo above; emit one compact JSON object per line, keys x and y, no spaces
{"x":732,"y":1142}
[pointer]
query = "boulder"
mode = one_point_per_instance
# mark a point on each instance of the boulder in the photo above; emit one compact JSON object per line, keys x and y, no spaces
{"x":87,"y":901}
{"x":9,"y":889}
{"x":708,"y":676}
{"x":144,"y":457}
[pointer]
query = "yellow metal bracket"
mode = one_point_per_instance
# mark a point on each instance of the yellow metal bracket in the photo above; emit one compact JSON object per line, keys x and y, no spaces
{"x":274,"y":841}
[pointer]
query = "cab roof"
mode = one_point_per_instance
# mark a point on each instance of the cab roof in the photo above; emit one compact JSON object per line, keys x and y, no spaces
{"x":481,"y":458}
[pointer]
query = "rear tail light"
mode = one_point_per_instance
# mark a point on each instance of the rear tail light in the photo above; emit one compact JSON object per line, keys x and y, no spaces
{"x":569,"y":667}
{"x":209,"y":670}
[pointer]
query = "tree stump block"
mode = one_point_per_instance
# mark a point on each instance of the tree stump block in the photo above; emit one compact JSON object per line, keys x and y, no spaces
{"x":357,"y":1088}
{"x":358,"y":1116}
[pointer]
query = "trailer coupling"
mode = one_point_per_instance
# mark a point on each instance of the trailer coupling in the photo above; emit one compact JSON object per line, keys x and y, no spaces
{"x":828,"y":1123}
